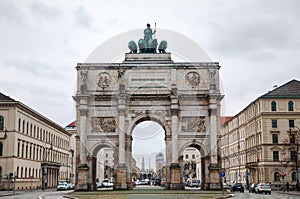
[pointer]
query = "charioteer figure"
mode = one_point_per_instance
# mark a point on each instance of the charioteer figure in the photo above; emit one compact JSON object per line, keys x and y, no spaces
{"x":148,"y":44}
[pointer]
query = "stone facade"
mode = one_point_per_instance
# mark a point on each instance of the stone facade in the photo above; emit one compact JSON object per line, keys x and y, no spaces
{"x":32,"y":147}
{"x":256,"y":145}
{"x":184,"y":98}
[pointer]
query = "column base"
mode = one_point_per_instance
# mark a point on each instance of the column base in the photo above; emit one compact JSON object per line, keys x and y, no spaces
{"x":215,"y":182}
{"x":82,"y":184}
{"x":121,"y":176}
{"x":176,"y":177}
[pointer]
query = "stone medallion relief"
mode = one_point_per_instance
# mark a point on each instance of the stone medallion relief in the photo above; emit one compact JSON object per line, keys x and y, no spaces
{"x":192,"y":79}
{"x":103,"y":80}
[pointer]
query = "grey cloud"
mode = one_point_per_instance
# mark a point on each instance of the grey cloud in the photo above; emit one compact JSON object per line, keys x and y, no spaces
{"x":44,"y":10}
{"x":82,"y":17}
{"x":243,"y":37}
{"x":33,"y":67}
{"x":10,"y":12}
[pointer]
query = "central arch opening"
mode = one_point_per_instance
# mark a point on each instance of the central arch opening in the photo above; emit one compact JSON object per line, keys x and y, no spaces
{"x":148,"y":150}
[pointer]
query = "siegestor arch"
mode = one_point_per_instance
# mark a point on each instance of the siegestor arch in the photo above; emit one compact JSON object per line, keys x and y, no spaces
{"x":148,"y":117}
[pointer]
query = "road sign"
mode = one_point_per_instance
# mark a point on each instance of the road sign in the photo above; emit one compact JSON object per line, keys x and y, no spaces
{"x":222,"y":174}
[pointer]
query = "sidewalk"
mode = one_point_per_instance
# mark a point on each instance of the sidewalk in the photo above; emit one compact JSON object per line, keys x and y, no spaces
{"x":10,"y":193}
{"x":294,"y":193}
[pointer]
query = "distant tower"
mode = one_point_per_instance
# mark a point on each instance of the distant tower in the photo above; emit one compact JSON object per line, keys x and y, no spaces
{"x":143,"y":164}
{"x":159,"y":160}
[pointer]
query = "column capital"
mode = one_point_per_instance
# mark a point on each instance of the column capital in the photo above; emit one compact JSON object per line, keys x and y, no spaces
{"x":213,"y":111}
{"x":83,"y":112}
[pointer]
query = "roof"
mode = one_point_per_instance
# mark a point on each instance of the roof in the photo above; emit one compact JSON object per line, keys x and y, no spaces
{"x":288,"y":90}
{"x":5,"y":98}
{"x":224,"y":119}
{"x":72,"y":124}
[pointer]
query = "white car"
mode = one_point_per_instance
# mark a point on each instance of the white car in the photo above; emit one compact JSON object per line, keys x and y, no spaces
{"x":106,"y":184}
{"x":62,"y":186}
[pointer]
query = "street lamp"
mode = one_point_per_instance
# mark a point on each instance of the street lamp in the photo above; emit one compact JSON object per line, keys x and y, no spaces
{"x":295,"y":140}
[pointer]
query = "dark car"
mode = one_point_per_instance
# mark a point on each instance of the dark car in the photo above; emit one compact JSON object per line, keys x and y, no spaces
{"x":252,"y":188}
{"x":237,"y":187}
{"x":157,"y":182}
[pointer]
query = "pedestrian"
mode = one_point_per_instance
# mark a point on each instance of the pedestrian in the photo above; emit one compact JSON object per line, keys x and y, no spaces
{"x":298,"y":185}
{"x":288,"y":186}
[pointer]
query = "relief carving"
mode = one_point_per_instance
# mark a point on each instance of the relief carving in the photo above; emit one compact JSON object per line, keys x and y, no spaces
{"x":84,"y":76}
{"x":194,"y":124}
{"x":103,"y":80}
{"x":193,"y":79}
{"x":104,"y":124}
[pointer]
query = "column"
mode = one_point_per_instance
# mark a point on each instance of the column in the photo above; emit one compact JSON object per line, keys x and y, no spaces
{"x":214,"y":167}
{"x":213,"y":134}
{"x":121,"y":168}
{"x":176,"y":181}
{"x":82,"y":124}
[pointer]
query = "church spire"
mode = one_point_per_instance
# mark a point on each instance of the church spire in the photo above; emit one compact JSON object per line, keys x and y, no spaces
{"x":143,"y":164}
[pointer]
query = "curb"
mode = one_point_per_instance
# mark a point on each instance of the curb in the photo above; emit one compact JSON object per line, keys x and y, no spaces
{"x":223,"y":197}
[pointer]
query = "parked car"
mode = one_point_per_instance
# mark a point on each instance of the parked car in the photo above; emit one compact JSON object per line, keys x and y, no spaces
{"x":157,"y":182}
{"x":106,"y":184}
{"x":70,"y":185}
{"x":142,"y":182}
{"x":252,"y":188}
{"x":237,"y":187}
{"x":62,"y":186}
{"x":225,"y":185}
{"x":195,"y":183}
{"x":263,"y":188}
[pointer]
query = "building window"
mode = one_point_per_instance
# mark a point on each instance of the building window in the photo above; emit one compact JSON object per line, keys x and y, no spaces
{"x":293,"y":155}
{"x":275,"y":155}
{"x":274,"y":123}
{"x":1,"y":123}
{"x":276,"y":176}
{"x":291,"y":106}
{"x":294,"y":176}
{"x":291,"y":124}
{"x":23,"y":127}
{"x":275,"y":138}
{"x":273,"y":106}
{"x":193,"y":156}
{"x":186,"y":156}
{"x":1,"y":149}
{"x":106,"y":155}
{"x":19,"y":125}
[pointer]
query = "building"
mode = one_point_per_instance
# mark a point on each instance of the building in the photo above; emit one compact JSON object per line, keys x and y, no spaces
{"x":34,"y":151}
{"x":159,"y":162}
{"x":261,"y":143}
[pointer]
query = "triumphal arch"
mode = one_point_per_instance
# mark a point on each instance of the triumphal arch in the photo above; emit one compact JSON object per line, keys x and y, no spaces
{"x":112,"y":98}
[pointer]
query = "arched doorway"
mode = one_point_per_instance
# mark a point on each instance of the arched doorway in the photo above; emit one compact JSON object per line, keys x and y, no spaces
{"x":103,"y":163}
{"x":194,"y":161}
{"x":148,"y":152}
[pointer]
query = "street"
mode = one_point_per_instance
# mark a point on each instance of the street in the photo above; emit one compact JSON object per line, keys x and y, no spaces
{"x":275,"y":195}
{"x":37,"y":194}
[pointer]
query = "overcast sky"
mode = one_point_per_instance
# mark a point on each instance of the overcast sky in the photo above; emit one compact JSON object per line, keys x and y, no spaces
{"x":256,"y":42}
